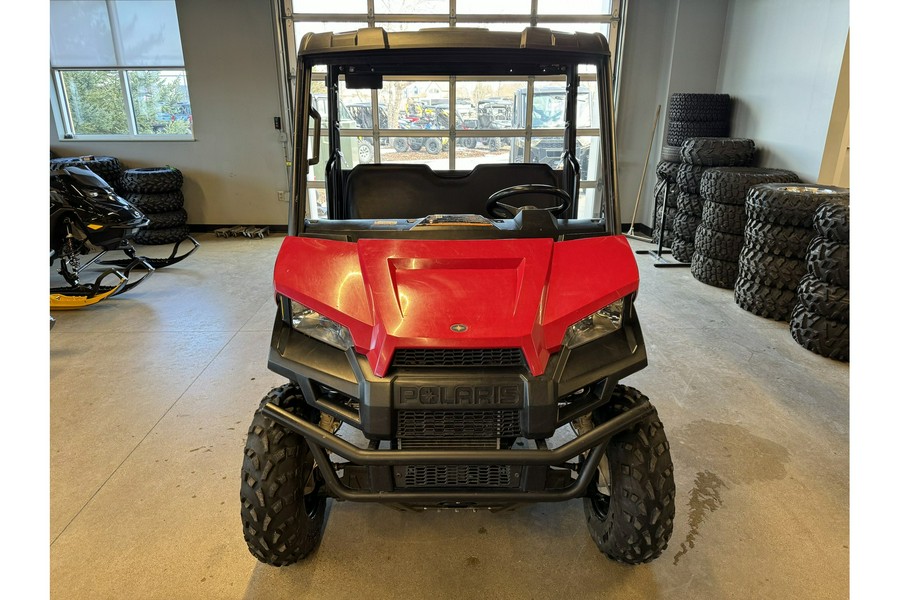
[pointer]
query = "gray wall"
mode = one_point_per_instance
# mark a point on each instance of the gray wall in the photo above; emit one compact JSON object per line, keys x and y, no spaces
{"x":781,"y":60}
{"x":236,"y":165}
{"x":670,"y":46}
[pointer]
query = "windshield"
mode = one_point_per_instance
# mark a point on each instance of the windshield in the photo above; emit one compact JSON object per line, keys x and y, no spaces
{"x":549,"y":110}
{"x":450,"y":122}
{"x":87,"y":178}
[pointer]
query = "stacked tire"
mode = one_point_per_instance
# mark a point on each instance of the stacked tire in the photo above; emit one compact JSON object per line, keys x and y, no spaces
{"x":777,"y":236}
{"x":820,"y":321}
{"x":698,"y":156}
{"x":156,"y":192}
{"x":107,"y":168}
{"x":665,"y":195}
{"x":697,"y":115}
{"x":719,"y":240}
{"x":688,"y":115}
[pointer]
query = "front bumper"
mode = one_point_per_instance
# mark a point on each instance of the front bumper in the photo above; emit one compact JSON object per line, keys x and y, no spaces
{"x":342,"y":384}
{"x":320,"y":370}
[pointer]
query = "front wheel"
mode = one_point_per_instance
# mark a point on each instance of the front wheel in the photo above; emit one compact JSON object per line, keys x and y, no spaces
{"x":282,"y":492}
{"x":433,"y":146}
{"x":630,"y":506}
{"x":366,"y":152}
{"x":400,"y":144}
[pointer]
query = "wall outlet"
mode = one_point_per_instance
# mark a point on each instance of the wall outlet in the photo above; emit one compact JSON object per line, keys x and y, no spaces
{"x":282,"y":196}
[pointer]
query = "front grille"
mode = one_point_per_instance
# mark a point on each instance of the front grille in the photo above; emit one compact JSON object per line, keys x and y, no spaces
{"x":459,"y":443}
{"x":447,"y":357}
{"x":457,"y":424}
{"x":456,"y":475}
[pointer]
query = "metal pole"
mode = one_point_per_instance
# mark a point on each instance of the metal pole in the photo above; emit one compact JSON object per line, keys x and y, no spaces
{"x":644,"y":173}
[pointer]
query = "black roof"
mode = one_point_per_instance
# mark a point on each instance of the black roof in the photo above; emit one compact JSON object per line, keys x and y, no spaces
{"x":455,"y":45}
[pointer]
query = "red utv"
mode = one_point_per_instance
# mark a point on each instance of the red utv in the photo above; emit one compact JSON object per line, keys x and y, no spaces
{"x":469,"y":326}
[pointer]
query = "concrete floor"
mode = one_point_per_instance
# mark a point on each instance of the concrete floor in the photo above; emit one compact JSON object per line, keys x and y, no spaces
{"x":152,"y":393}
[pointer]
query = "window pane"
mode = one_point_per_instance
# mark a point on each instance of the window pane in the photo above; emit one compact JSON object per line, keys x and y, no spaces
{"x":418,"y":104}
{"x":149,"y":33}
{"x":549,"y":110}
{"x":480,"y":7}
{"x":161,"y":102}
{"x":333,"y":7}
{"x":420,"y":147}
{"x":80,"y":35}
{"x":356,"y":108}
{"x":574,"y":7}
{"x":318,"y":204}
{"x":419,"y":7}
{"x":357,"y":150}
{"x":583,"y":27}
{"x":588,"y":207}
{"x":317,"y":172}
{"x":487,"y":104}
{"x":96,"y":102}
{"x":484,"y":151}
{"x":588,"y":156}
{"x":393,"y":26}
{"x":495,"y":26}
{"x":548,"y":151}
{"x":354,"y":150}
{"x":588,"y":107}
{"x":439,"y":161}
{"x":550,"y":105}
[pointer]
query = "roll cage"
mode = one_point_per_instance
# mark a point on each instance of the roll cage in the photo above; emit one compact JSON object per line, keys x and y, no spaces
{"x":362,"y":59}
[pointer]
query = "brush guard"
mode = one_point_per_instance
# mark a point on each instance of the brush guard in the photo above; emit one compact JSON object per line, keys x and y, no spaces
{"x":537,"y":475}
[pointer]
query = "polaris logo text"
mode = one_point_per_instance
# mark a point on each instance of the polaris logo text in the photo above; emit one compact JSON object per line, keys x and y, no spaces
{"x":475,"y":395}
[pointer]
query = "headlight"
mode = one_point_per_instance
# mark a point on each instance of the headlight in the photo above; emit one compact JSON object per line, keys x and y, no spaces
{"x":306,"y":320}
{"x":606,"y":320}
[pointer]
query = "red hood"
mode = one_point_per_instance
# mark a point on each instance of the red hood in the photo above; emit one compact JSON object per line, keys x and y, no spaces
{"x":517,"y":293}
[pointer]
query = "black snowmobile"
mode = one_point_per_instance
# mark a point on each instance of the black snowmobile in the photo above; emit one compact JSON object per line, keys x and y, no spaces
{"x":87,"y":217}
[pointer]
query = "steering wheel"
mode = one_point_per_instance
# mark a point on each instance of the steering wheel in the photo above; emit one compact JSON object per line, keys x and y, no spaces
{"x":500,"y":210}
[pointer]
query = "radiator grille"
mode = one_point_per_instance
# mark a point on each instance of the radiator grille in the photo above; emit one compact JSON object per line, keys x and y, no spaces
{"x":457,"y":476}
{"x":450,"y":424}
{"x":451,"y":357}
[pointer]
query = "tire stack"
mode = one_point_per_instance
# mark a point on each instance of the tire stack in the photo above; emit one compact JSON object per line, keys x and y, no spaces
{"x":719,"y":240}
{"x":156,"y":192}
{"x":697,"y":115}
{"x":698,"y":156}
{"x":107,"y":168}
{"x":776,"y":238}
{"x":665,"y":182}
{"x":688,"y":116}
{"x":820,"y":321}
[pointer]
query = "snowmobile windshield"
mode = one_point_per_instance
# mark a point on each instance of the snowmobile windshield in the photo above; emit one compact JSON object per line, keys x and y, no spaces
{"x":87,"y":178}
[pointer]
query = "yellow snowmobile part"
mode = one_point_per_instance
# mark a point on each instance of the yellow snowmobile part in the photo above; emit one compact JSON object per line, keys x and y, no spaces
{"x":87,"y":295}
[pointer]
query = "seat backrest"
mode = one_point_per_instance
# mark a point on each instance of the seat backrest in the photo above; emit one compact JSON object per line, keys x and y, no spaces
{"x":405,"y":191}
